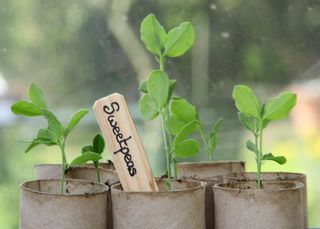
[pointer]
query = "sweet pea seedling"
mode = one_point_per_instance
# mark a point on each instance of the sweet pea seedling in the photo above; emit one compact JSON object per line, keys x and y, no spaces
{"x":179,"y":119}
{"x":91,"y":153}
{"x":256,"y":115}
{"x":55,"y":133}
{"x":158,"y":88}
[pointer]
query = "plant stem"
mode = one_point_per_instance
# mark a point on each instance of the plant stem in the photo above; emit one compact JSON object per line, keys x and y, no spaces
{"x":168,"y":155}
{"x":63,"y":166}
{"x":169,"y":138}
{"x":96,"y":165}
{"x":259,"y":153}
{"x":205,"y":141}
{"x":175,"y":168}
{"x":161,"y":62}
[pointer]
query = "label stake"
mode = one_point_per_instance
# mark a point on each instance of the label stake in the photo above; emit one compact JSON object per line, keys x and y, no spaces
{"x":124,"y":144}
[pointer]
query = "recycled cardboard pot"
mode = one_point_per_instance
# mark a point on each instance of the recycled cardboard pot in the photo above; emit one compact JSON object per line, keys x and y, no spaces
{"x":83,"y":205}
{"x":208,"y":170}
{"x":211,"y":173}
{"x":274,"y":176}
{"x":180,"y":207}
{"x":278,"y":205}
{"x":108,"y":176}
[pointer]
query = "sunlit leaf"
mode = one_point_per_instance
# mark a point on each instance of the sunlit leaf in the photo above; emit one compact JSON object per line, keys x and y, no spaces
{"x":36,"y":96}
{"x":245,"y":101}
{"x":152,"y":34}
{"x":158,"y":87}
{"x":53,"y":123}
{"x":279,"y":107}
{"x":183,"y":110}
{"x":179,"y":40}
{"x":186,"y":148}
{"x":26,"y":109}
{"x":147,"y":107}
{"x":75,"y":119}
{"x":85,"y":157}
{"x":185,"y":131}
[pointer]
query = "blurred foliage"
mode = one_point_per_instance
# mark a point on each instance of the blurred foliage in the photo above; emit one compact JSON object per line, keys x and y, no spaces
{"x":79,"y":50}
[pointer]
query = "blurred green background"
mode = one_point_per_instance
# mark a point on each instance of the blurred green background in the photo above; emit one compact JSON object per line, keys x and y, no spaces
{"x":80,"y":50}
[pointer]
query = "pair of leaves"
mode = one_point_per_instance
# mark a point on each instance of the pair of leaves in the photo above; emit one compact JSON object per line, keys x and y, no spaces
{"x":275,"y":109}
{"x":266,"y":157}
{"x":251,"y":123}
{"x":183,"y":146}
{"x":178,"y":40}
{"x":182,"y":113}
{"x":55,"y":131}
{"x":32,"y":108}
{"x":91,"y":152}
{"x":38,"y":107}
{"x":183,"y":122}
{"x":158,"y":89}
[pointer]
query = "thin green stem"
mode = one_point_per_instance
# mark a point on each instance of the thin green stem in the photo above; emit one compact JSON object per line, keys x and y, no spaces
{"x":96,"y":165}
{"x":63,"y":166}
{"x":259,"y":139}
{"x":168,"y":155}
{"x":205,"y":141}
{"x":175,"y":167}
{"x":161,"y":63}
{"x":169,"y":138}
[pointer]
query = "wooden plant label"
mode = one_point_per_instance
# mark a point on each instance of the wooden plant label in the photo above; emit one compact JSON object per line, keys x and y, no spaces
{"x":124,"y":144}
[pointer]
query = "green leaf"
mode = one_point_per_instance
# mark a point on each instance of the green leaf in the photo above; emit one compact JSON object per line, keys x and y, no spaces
{"x":85,"y":157}
{"x":186,"y":148}
{"x":245,"y":101}
{"x":216,"y":126}
{"x":147,"y":107}
{"x":36,"y":96}
{"x":47,"y":134}
{"x":179,"y":40}
{"x":175,"y":125}
{"x":39,"y":141}
{"x":152,"y":34}
{"x":213,"y":134}
{"x":143,"y":87}
{"x":279,"y":159}
{"x":185,"y":131}
{"x":26,"y":109}
{"x":31,"y":146}
{"x":98,"y":144}
{"x":251,"y":146}
{"x":87,"y":148}
{"x":53,"y":123}
{"x":183,"y":110}
{"x":246,"y":121}
{"x":158,"y":87}
{"x":172,"y":86}
{"x":74,"y":120}
{"x":279,"y":107}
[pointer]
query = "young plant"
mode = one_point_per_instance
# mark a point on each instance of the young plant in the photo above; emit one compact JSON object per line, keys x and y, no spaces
{"x":158,"y":88}
{"x":91,"y":153}
{"x":182,"y":113}
{"x":55,"y":133}
{"x":255,"y":115}
{"x":179,"y":119}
